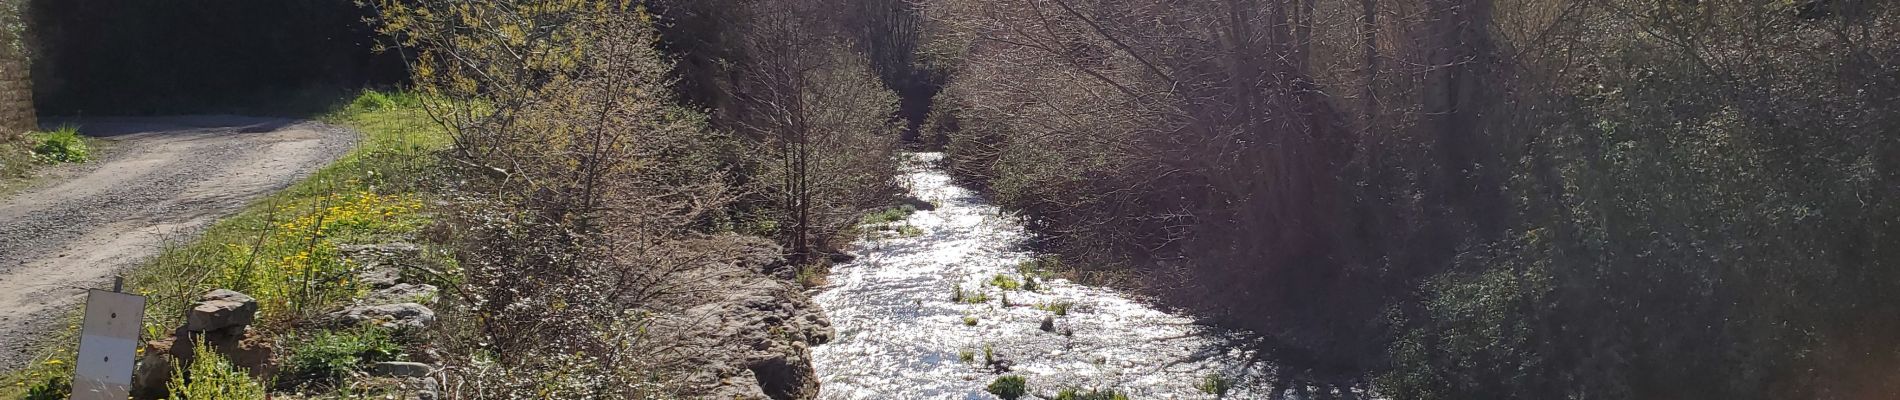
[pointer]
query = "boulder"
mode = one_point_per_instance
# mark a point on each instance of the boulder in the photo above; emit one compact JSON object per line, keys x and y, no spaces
{"x":394,"y":316}
{"x":221,"y":309}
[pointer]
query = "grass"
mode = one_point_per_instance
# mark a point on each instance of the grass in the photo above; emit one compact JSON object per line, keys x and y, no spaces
{"x":324,"y":358}
{"x":1216,"y":385}
{"x":282,"y":249}
{"x":1005,"y":282}
{"x":1059,"y":308}
{"x":20,"y":157}
{"x":1090,"y":394}
{"x":969,"y":320}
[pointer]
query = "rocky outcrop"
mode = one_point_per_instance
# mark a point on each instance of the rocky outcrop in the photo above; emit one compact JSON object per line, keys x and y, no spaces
{"x":751,"y":337}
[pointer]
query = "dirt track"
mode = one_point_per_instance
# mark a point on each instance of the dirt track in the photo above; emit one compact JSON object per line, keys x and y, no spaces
{"x":164,"y":179}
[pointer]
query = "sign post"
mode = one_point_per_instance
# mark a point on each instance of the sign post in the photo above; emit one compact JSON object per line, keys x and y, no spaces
{"x":108,"y":345}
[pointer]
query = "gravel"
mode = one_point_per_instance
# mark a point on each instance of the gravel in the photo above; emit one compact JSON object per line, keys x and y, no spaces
{"x":162,"y":179}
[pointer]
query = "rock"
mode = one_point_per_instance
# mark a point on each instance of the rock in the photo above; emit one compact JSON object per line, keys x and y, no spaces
{"x":402,"y":293}
{"x":840,"y":257}
{"x":1048,"y":324}
{"x":221,"y":309}
{"x":381,"y":265}
{"x":748,"y":334}
{"x":395,"y":316}
{"x":402,"y":369}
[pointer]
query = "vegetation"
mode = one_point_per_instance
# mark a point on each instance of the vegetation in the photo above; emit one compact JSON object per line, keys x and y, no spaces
{"x":282,"y":249}
{"x":63,"y":145}
{"x":1090,"y":394}
{"x":1468,"y":198}
{"x":324,"y":358}
{"x":1009,"y":387}
{"x":211,"y":377}
{"x":1005,"y":282}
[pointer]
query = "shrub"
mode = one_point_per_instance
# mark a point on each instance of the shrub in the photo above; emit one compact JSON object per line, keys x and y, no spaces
{"x":213,"y":378}
{"x":63,"y":145}
{"x":327,"y":356}
{"x":1005,"y":282}
{"x":54,"y":388}
{"x":1216,"y":385}
{"x":1009,"y":387}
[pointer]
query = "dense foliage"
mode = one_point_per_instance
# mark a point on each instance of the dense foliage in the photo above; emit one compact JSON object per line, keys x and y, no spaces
{"x":1480,"y":198}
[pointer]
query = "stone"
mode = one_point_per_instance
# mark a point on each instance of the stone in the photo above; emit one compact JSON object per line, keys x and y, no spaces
{"x":402,"y":293}
{"x":221,"y":309}
{"x":402,"y":369}
{"x":381,"y":265}
{"x":394,"y":316}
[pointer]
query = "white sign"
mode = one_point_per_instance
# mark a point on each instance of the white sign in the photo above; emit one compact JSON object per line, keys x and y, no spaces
{"x":108,"y":345}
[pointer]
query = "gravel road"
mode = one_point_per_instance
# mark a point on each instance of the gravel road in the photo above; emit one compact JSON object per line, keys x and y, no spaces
{"x":163,"y":179}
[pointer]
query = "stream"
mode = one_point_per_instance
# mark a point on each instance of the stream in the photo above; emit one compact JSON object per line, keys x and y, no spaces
{"x":902,"y":335}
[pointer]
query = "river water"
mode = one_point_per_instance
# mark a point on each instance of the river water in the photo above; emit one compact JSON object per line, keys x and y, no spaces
{"x":901,"y":335}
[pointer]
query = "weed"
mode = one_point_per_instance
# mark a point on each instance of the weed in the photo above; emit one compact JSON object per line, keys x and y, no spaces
{"x":1009,"y":387}
{"x":1059,"y":308}
{"x":54,"y":388}
{"x":888,"y":215}
{"x":812,"y":276}
{"x":989,"y":354}
{"x":1090,"y":394}
{"x":907,"y":230}
{"x":966,"y":355}
{"x":1005,"y":282}
{"x":213,"y":378}
{"x":325,"y":357}
{"x":956,"y":292}
{"x":1030,"y":284}
{"x":969,"y":320}
{"x":63,"y":145}
{"x":1215,"y":384}
{"x":976,"y":298}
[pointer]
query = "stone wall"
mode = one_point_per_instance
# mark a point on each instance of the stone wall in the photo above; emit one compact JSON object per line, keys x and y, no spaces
{"x":16,"y":85}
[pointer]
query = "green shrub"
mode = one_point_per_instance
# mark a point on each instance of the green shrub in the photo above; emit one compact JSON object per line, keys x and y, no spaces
{"x":54,"y":388}
{"x":1216,"y":385}
{"x":63,"y":145}
{"x":327,"y":356}
{"x":1009,"y":387}
{"x":1090,"y":394}
{"x":1060,"y":308}
{"x":213,"y":378}
{"x":1005,"y":282}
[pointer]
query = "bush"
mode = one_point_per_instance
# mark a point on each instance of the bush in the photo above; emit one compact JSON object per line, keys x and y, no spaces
{"x":1009,"y":387}
{"x":327,"y":356}
{"x":1216,"y":385}
{"x":1005,"y":282}
{"x":213,"y":378}
{"x":63,"y":145}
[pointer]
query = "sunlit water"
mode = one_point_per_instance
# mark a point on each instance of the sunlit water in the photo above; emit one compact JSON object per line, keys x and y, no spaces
{"x":900,"y":334}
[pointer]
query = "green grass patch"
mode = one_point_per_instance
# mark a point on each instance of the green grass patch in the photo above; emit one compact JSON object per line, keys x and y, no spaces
{"x":283,"y":249}
{"x":63,"y":145}
{"x":1005,"y":282}
{"x":1059,"y":308}
{"x":323,"y":358}
{"x":1090,"y":394}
